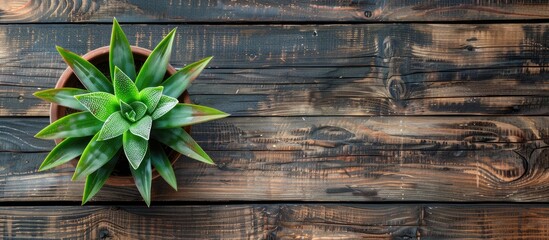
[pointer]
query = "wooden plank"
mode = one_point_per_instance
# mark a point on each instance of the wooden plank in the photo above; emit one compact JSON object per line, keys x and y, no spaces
{"x":278,"y":221}
{"x":16,"y":11}
{"x":362,"y":70}
{"x":485,"y":222}
{"x":320,"y":159}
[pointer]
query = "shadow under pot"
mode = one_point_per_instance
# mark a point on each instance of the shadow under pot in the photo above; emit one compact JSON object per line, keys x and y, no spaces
{"x":99,"y":57}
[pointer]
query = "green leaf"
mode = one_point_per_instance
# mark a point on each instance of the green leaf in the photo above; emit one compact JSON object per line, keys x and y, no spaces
{"x":176,"y":84}
{"x":135,"y":148}
{"x":164,"y":105}
{"x":100,"y":104}
{"x":113,"y":127}
{"x":89,"y":75}
{"x":96,"y":154}
{"x":150,"y":97}
{"x":65,"y":151}
{"x":124,"y":87}
{"x":139,"y":108}
{"x":120,"y":54}
{"x":154,"y":68}
{"x":162,"y":164}
{"x":143,"y":179}
{"x":142,"y":128}
{"x":188,"y":114}
{"x":78,"y":124}
{"x":96,"y":180}
{"x":181,"y":141}
{"x":63,"y":97}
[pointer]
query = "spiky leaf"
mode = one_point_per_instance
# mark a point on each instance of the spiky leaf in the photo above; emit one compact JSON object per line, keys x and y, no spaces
{"x":162,"y":164}
{"x":65,"y":151}
{"x":154,"y":68}
{"x":87,"y":73}
{"x":96,"y":180}
{"x":150,"y":97}
{"x":79,"y":124}
{"x":135,"y":148}
{"x":100,"y":104}
{"x":181,"y":141}
{"x":120,"y":54}
{"x":139,"y":108}
{"x":164,"y":105}
{"x":124,"y":87}
{"x":188,"y":114}
{"x":176,"y":84}
{"x":63,"y":97}
{"x":142,"y":128}
{"x":113,"y":127}
{"x":143,"y":179}
{"x":96,"y":154}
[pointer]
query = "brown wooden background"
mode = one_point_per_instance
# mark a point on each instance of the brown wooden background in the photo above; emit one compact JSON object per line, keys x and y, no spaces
{"x":350,"y":119}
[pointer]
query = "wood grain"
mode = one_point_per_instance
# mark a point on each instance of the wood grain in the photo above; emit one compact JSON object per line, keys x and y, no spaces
{"x":321,"y":159}
{"x":308,"y":70}
{"x":17,"y":11}
{"x":277,"y":221}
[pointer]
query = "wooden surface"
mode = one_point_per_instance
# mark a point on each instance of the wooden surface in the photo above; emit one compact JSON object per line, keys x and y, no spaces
{"x":350,"y":120}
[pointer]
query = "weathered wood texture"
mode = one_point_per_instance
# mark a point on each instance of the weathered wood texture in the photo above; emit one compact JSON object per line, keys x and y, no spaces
{"x":362,"y":70}
{"x":320,"y":159}
{"x":278,"y":221}
{"x":15,"y":11}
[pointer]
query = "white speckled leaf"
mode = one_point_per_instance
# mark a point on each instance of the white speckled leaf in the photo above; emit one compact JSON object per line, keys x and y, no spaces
{"x":100,"y":104}
{"x":113,"y":127}
{"x":139,"y":108}
{"x":150,"y":97}
{"x":124,"y":87}
{"x":135,"y":148}
{"x":164,"y":105}
{"x":142,"y":128}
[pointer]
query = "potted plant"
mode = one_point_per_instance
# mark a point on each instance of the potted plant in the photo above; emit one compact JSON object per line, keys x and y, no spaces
{"x":118,"y":108}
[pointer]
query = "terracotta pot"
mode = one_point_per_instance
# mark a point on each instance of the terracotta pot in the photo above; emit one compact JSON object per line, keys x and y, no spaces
{"x":100,"y":58}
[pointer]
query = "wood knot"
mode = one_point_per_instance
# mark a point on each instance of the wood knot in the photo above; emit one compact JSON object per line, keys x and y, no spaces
{"x":397,"y":89}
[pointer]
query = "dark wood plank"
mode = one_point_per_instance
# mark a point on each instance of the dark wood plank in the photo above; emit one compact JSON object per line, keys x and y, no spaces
{"x":16,"y":11}
{"x":363,"y":70}
{"x":277,"y":221}
{"x":320,"y":159}
{"x":485,"y":222}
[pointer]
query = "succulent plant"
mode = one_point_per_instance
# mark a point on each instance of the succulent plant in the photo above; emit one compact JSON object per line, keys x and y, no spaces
{"x":135,"y":114}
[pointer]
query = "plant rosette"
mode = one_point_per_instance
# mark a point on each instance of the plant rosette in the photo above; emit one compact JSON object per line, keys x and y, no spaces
{"x":136,"y":116}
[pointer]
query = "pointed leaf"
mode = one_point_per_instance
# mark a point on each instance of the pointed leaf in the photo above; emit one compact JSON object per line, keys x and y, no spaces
{"x":63,"y":97}
{"x":100,"y":104}
{"x":135,"y":148}
{"x":143,"y":179}
{"x":162,"y":164}
{"x":164,"y":105}
{"x":113,"y":127}
{"x":154,"y":68}
{"x":124,"y":87}
{"x":188,"y":114}
{"x":89,"y":75}
{"x":127,"y":111}
{"x":96,"y":154}
{"x":142,"y":128}
{"x":139,"y":108}
{"x":176,"y":84}
{"x":78,"y":124}
{"x":65,"y":151}
{"x":181,"y":141}
{"x":150,"y":97}
{"x":120,"y":54}
{"x":96,"y":180}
